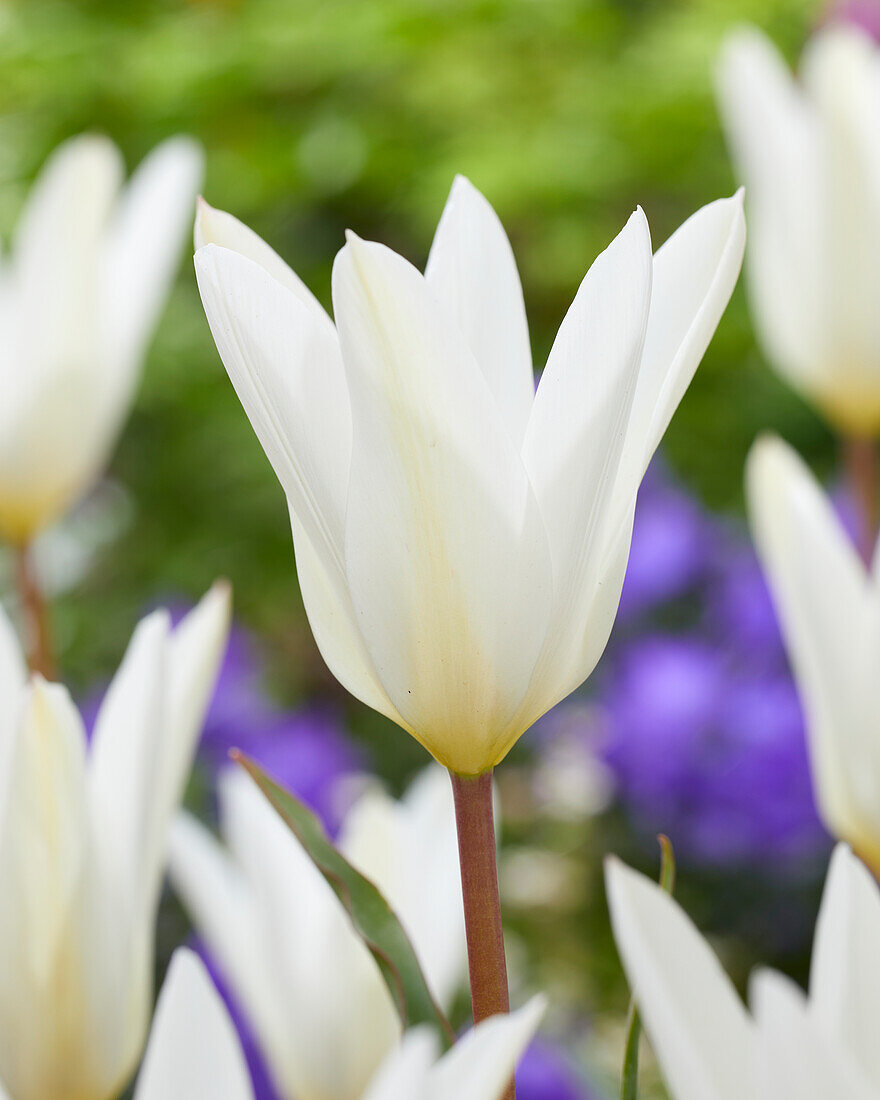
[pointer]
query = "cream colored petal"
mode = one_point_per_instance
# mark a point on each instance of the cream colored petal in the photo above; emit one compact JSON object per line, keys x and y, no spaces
{"x":699,"y":1030}
{"x":141,"y":255}
{"x":774,"y":138}
{"x":472,"y":273}
{"x":277,"y":358}
{"x":575,"y":438}
{"x":831,"y":622}
{"x":480,"y":1065}
{"x":798,"y":1060}
{"x":445,"y":550}
{"x":403,"y":1072}
{"x":845,"y":971}
{"x":194,"y":1051}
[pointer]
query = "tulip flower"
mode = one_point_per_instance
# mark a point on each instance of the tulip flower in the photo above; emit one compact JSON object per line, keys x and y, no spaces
{"x":809,"y":152}
{"x":829,"y":606}
{"x":82,"y":845}
{"x":791,"y":1046}
{"x":90,"y":267}
{"x":310,"y":989}
{"x":194,"y":1052}
{"x":461,"y":540}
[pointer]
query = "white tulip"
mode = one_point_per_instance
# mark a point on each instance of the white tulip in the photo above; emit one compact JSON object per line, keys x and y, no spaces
{"x":80,"y":293}
{"x":82,"y":846}
{"x":809,"y":153}
{"x":460,"y":539}
{"x":829,"y":608}
{"x":791,"y":1046}
{"x":310,"y":988}
{"x":479,"y":1066}
{"x":194,"y":1052}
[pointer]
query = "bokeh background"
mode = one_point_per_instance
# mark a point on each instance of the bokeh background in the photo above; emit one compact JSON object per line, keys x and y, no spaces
{"x":358,"y":113}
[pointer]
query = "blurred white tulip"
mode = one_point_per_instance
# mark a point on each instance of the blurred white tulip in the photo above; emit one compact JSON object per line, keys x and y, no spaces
{"x":461,"y":540}
{"x":478,"y":1067}
{"x":90,"y":266}
{"x":194,"y":1052}
{"x":791,"y":1046}
{"x":829,"y":609}
{"x":82,"y":850}
{"x":310,"y":988}
{"x":809,"y":153}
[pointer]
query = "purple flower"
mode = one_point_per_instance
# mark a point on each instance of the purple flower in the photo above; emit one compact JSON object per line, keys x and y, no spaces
{"x":740,"y":611}
{"x":262,"y":1082}
{"x":709,"y":753}
{"x":671,"y":546}
{"x":861,"y":13}
{"x":545,"y":1073}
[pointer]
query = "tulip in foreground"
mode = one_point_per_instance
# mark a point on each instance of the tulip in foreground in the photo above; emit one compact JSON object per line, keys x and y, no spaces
{"x":309,"y":987}
{"x":89,"y":269}
{"x":791,"y":1046}
{"x":461,"y":540}
{"x":809,"y":153}
{"x":194,"y":1053}
{"x":82,"y":845}
{"x":829,"y":607}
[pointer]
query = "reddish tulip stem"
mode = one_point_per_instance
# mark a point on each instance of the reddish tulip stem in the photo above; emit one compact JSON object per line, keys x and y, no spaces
{"x":36,"y":616}
{"x":474,"y":819}
{"x":859,"y":455}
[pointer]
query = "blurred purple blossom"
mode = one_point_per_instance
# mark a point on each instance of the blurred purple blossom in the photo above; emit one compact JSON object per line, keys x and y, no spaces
{"x":671,"y":550}
{"x":546,"y":1073}
{"x":700,"y":726}
{"x":861,"y":13}
{"x":711,"y":755}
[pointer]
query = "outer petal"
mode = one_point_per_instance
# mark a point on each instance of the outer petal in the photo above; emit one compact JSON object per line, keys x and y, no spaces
{"x":841,"y":69}
{"x":223,"y":909}
{"x":698,"y":1027}
{"x":445,"y":551}
{"x":141,"y":255}
{"x":410,"y":850}
{"x":775,"y":142}
{"x":799,"y":1061}
{"x":831,"y":621}
{"x":695,"y":272}
{"x":340,"y":1021}
{"x":480,"y":1065}
{"x":194,"y":1050}
{"x":575,"y":435}
{"x":845,"y":972}
{"x":404,"y":1071}
{"x":472,"y":273}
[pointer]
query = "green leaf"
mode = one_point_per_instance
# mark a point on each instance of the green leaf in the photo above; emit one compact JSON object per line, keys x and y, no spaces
{"x":629,"y":1078}
{"x":372,"y":916}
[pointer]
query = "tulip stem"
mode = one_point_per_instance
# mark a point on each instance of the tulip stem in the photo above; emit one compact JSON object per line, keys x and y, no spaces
{"x":860,"y":463}
{"x":474,"y":819}
{"x":36,"y":615}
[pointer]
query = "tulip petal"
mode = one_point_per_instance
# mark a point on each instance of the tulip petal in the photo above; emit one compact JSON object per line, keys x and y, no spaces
{"x":831,"y":623}
{"x":472,"y":273}
{"x":845,"y":971}
{"x":841,"y":72}
{"x":797,"y":1058}
{"x":695,"y":272}
{"x":13,"y":677}
{"x":775,"y":142}
{"x":194,"y":1050}
{"x":404,"y":1071}
{"x":445,"y":550}
{"x":699,"y":1029}
{"x":222,"y":908}
{"x":285,"y":372}
{"x":575,"y":436}
{"x":142,"y":253}
{"x":480,"y":1065}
